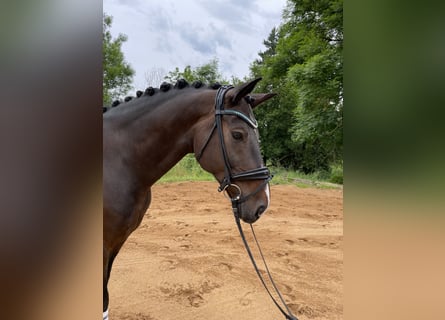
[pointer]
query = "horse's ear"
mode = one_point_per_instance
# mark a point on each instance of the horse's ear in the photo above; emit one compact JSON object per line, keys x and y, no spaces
{"x":256,"y":98}
{"x":243,"y":90}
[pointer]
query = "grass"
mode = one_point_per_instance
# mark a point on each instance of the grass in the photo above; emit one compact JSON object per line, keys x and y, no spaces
{"x":302,"y":180}
{"x":189,"y":170}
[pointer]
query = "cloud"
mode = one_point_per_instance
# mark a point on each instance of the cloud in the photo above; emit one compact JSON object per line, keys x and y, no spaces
{"x":205,"y":40}
{"x":235,"y":15}
{"x":198,"y":42}
{"x":168,"y":34}
{"x":159,"y":19}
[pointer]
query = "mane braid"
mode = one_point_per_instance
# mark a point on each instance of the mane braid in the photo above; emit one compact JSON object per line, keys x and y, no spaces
{"x":149,"y":91}
{"x":181,"y":83}
{"x":216,"y":85}
{"x":165,"y":86}
{"x":197,"y":84}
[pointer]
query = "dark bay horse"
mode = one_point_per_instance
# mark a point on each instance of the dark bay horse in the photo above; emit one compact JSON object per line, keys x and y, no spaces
{"x":145,"y":137}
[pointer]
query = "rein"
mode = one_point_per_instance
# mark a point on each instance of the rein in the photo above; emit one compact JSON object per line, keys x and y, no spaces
{"x":288,"y":315}
{"x":261,"y":173}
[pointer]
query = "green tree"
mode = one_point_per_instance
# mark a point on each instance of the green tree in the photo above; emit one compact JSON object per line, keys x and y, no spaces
{"x":303,"y":63}
{"x":117,"y":73}
{"x":275,"y":117}
{"x":187,"y":74}
{"x":207,"y":73}
{"x":271,"y":45}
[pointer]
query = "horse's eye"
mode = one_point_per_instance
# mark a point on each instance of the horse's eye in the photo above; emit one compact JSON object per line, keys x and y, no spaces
{"x":237,"y":135}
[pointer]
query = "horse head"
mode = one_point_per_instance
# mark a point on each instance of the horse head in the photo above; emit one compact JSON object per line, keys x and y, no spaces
{"x":228,"y":141}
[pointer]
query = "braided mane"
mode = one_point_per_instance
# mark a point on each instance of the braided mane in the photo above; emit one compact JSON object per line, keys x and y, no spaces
{"x":164,"y":87}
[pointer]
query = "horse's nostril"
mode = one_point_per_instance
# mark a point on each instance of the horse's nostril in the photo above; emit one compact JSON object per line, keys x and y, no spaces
{"x":260,"y":211}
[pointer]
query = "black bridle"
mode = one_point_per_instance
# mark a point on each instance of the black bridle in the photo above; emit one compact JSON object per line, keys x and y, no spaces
{"x":261,"y":173}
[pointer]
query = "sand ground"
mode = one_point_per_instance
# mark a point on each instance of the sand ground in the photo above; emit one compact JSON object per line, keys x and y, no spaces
{"x":187,"y":261}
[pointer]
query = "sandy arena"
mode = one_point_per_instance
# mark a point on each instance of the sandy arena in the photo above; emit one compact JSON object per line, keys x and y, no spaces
{"x":187,"y":261}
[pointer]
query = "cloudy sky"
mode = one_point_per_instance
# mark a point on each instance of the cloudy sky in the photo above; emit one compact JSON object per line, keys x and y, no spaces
{"x":165,"y":34}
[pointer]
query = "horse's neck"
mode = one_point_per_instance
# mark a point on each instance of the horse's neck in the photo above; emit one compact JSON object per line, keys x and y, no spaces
{"x":161,"y":138}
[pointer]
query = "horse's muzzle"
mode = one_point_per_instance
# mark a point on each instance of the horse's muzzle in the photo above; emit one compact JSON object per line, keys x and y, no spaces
{"x":260,"y":211}
{"x":250,"y":216}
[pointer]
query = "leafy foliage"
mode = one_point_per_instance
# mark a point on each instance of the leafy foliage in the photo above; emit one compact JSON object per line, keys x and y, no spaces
{"x":207,"y":73}
{"x":302,"y":128}
{"x":117,"y":73}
